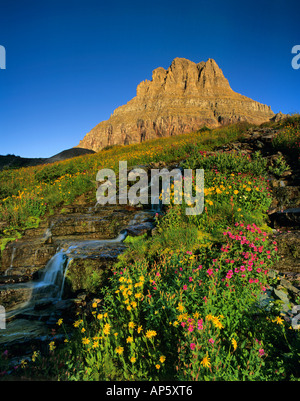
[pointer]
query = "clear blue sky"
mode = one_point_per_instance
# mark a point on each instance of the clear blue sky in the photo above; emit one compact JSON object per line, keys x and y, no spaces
{"x":70,"y":63}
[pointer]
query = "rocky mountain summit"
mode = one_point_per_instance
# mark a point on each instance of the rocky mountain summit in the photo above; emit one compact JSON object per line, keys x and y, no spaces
{"x":181,"y":99}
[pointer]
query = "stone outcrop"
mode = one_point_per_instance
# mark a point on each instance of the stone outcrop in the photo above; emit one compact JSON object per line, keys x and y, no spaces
{"x":181,"y":99}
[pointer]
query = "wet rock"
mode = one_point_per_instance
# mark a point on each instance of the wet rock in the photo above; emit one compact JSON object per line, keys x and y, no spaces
{"x":288,"y":244}
{"x":284,"y":196}
{"x":289,"y":218}
{"x":42,"y":305}
{"x":86,"y":274}
{"x":13,"y":296}
{"x":288,"y":285}
{"x":26,"y":256}
{"x":140,"y":229}
{"x":23,"y":331}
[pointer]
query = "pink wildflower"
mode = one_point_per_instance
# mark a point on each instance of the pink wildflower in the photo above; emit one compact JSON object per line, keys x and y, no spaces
{"x":200,"y":324}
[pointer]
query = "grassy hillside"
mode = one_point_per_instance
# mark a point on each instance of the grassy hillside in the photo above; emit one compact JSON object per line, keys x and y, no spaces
{"x":28,"y":194}
{"x":189,"y":303}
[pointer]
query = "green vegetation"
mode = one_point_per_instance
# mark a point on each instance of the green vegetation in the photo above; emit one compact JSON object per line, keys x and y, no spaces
{"x":288,"y":136}
{"x":34,"y":192}
{"x":190,"y":302}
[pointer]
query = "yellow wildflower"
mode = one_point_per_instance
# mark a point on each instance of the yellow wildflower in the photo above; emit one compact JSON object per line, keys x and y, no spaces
{"x":180,"y":307}
{"x":77,"y":323}
{"x":162,"y":359}
{"x":150,"y":333}
{"x":34,"y":356}
{"x":234,"y":343}
{"x":106,"y":329}
{"x":205,"y":361}
{"x":217,"y":323}
{"x":209,"y":317}
{"x":52,"y":346}
{"x":85,"y":341}
{"x":119,"y":350}
{"x":23,"y":363}
{"x":129,"y":339}
{"x":59,"y":322}
{"x":131,"y":325}
{"x":278,"y":320}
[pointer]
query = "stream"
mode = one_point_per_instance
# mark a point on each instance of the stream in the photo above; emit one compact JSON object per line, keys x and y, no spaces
{"x":41,"y":299}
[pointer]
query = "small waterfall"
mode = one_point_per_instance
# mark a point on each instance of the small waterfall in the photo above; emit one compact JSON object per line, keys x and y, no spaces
{"x":156,"y":205}
{"x":50,"y":284}
{"x":13,"y":254}
{"x":64,"y":276}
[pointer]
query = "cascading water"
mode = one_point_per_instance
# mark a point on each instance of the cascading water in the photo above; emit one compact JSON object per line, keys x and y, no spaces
{"x":11,"y":262}
{"x":38,"y":303}
{"x":50,"y":285}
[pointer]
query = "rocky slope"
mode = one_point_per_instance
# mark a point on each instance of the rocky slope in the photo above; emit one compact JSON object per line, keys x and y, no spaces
{"x":181,"y":99}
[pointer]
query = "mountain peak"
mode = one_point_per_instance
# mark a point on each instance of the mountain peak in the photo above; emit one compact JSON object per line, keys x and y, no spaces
{"x":184,"y":75}
{"x":180,"y":99}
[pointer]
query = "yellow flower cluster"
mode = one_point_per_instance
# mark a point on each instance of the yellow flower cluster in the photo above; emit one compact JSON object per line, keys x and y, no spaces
{"x":131,"y":292}
{"x":216,"y":320}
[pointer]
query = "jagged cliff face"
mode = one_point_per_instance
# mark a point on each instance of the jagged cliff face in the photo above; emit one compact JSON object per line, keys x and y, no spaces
{"x":181,"y":99}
